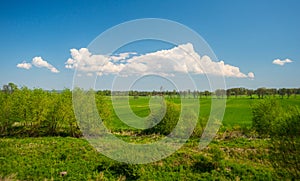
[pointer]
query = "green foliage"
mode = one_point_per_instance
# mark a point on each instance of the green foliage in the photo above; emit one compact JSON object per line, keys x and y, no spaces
{"x":25,"y":112}
{"x":44,"y":158}
{"x":168,"y":122}
{"x":266,"y":114}
{"x":285,"y":144}
{"x":131,"y":172}
{"x":271,"y":119}
{"x":6,"y":113}
{"x":282,"y":125}
{"x":217,"y":155}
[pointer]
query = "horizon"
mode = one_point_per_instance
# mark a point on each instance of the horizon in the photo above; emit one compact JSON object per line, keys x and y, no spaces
{"x":156,"y":90}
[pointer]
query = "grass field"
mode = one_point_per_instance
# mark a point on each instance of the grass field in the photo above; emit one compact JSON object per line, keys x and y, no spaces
{"x":237,"y":112}
{"x":228,"y":157}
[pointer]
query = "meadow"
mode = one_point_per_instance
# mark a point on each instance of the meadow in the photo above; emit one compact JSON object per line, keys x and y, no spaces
{"x":238,"y":111}
{"x":236,"y":153}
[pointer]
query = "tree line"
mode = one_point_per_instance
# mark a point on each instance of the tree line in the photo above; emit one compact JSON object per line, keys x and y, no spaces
{"x":260,"y":93}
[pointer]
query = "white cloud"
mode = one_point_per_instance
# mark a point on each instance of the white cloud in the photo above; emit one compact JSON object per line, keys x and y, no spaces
{"x":39,"y":62}
{"x":24,"y":65}
{"x":180,"y":59}
{"x":251,"y":75}
{"x":281,"y":62}
{"x":122,"y":56}
{"x":84,"y":61}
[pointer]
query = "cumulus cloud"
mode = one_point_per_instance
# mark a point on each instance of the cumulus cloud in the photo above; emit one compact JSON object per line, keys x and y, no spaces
{"x":24,"y":65}
{"x":39,"y":62}
{"x":122,"y":56}
{"x":282,"y":62}
{"x":84,"y":61}
{"x":180,"y":59}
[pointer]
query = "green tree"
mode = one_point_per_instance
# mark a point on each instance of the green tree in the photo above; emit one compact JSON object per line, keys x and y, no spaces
{"x":6,"y":122}
{"x":261,"y":92}
{"x":250,"y":93}
{"x":228,"y":93}
{"x":289,"y":92}
{"x":207,"y":93}
{"x":282,"y":92}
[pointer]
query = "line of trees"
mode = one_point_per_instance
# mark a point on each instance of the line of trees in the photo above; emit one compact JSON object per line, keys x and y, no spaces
{"x":259,"y":92}
{"x":220,"y":93}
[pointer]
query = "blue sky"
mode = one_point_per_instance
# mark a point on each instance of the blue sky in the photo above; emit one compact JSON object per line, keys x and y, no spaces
{"x":249,"y":35}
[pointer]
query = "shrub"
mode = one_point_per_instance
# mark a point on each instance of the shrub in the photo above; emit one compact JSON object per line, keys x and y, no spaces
{"x":282,"y":125}
{"x":168,"y":122}
{"x":285,"y":146}
{"x":265,"y":115}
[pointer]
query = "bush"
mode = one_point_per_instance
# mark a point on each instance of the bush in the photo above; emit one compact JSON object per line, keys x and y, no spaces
{"x":265,"y":115}
{"x":168,"y":122}
{"x":282,"y":125}
{"x":285,"y":146}
{"x":166,"y":119}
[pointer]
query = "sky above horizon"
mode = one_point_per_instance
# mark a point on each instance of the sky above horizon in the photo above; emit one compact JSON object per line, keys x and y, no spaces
{"x":257,"y":42}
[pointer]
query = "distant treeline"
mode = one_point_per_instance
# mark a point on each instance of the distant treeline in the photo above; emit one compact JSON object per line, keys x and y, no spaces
{"x":260,"y":92}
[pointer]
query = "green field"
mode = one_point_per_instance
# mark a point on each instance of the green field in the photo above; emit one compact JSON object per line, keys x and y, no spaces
{"x":237,"y":112}
{"x":233,"y":155}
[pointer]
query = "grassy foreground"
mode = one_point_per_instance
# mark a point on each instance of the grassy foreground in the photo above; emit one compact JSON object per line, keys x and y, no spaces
{"x":45,"y":158}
